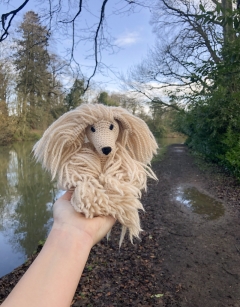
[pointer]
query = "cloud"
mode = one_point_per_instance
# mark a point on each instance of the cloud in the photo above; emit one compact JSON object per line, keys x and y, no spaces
{"x":127,"y":39}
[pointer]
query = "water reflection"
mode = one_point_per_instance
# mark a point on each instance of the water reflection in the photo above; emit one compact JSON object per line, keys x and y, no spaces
{"x":26,"y":194}
{"x":199,"y":203}
{"x":25,"y":214}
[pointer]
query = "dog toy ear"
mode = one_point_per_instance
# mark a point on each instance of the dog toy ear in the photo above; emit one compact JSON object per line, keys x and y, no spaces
{"x":135,"y":136}
{"x":60,"y":141}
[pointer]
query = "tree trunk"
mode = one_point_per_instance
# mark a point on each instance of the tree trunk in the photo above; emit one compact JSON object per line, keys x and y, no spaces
{"x":228,"y":33}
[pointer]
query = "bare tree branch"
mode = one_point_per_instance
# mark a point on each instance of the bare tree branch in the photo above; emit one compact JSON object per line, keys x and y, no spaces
{"x":67,"y":18}
{"x":186,"y":47}
{"x":96,"y":43}
{"x":197,"y":27}
{"x":4,"y":18}
{"x":155,"y":100}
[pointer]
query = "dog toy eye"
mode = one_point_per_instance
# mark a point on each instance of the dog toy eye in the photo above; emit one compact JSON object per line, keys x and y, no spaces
{"x":93,"y":129}
{"x":111,"y":127}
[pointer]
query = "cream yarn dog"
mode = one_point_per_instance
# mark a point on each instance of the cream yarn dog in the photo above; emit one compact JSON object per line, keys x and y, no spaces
{"x":103,"y":154}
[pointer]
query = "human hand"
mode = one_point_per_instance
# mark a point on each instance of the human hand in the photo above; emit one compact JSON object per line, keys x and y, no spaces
{"x":64,"y":215}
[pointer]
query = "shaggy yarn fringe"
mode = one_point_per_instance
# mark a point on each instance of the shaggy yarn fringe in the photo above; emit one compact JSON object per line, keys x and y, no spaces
{"x":112,"y":188}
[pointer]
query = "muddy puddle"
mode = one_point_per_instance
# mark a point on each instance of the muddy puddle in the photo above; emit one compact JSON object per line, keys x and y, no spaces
{"x":199,"y":203}
{"x":179,"y":149}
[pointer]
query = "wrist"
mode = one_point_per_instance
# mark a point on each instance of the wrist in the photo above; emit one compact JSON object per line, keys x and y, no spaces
{"x":68,"y":231}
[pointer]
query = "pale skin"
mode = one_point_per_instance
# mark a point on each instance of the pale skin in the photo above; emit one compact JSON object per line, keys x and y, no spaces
{"x":53,"y":277}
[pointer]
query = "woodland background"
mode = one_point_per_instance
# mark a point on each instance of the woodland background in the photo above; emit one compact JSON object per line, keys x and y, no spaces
{"x":188,"y":82}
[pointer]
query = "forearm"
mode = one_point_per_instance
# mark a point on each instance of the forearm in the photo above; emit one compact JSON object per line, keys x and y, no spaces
{"x":53,"y":277}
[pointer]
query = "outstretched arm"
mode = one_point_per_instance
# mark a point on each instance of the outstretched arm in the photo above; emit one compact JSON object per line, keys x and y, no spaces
{"x":53,"y":277}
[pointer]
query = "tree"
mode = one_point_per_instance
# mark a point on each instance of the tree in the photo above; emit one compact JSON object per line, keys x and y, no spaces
{"x":226,"y":9}
{"x":130,"y":102}
{"x":32,"y":62}
{"x":4,"y":87}
{"x":104,"y":98}
{"x":7,"y":123}
{"x":7,"y":76}
{"x":81,"y":25}
{"x":75,"y":97}
{"x":193,"y":43}
{"x":56,"y":94}
{"x":212,"y":124}
{"x":194,"y":68}
{"x":174,"y":68}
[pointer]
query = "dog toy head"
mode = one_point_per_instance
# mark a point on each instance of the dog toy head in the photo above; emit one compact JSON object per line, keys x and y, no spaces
{"x":103,"y":127}
{"x":103,"y":136}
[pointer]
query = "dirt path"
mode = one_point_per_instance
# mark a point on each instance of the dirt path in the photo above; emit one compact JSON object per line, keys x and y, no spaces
{"x":200,"y":254}
{"x":184,"y":259}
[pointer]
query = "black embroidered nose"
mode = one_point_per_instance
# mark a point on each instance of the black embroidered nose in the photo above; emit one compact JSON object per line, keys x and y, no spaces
{"x":106,"y":150}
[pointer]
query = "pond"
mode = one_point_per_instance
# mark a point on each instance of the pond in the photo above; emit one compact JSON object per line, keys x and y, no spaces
{"x":26,"y":197}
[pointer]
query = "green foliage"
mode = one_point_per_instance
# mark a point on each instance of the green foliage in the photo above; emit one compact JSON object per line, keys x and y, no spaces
{"x":38,"y":90}
{"x":161,"y":120}
{"x":157,"y":128}
{"x":221,"y":14}
{"x":104,"y":98}
{"x":5,"y":78}
{"x":41,"y":242}
{"x":232,"y":143}
{"x":30,"y":89}
{"x":31,"y":63}
{"x":7,"y":129}
{"x":33,"y":135}
{"x":74,"y":97}
{"x":212,"y":123}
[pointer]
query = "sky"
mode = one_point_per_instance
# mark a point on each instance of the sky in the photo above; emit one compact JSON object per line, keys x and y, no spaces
{"x":131,"y":33}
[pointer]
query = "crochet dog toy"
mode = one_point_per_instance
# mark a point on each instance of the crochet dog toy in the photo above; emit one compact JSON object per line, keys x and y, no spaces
{"x":103,"y":154}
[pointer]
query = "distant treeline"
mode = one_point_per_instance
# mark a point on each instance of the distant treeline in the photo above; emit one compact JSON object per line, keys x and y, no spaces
{"x":32,"y":94}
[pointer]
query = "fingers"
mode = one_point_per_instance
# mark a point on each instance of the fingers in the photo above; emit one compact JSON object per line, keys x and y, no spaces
{"x":110,"y":221}
{"x":106,"y":223}
{"x":98,"y":226}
